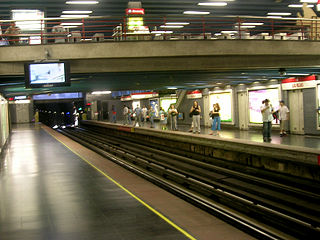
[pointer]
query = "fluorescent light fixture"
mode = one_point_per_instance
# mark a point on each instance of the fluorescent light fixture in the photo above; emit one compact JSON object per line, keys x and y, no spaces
{"x":177,"y":23}
{"x":228,"y":32}
{"x":161,"y":32}
{"x":171,"y":26}
{"x":252,"y":24}
{"x":274,"y":17}
{"x":196,"y":12}
{"x":215,"y":4}
{"x":76,"y":12}
{"x":298,"y":74}
{"x":71,"y":24}
{"x":309,"y":1}
{"x":279,"y":13}
{"x":172,"y":88}
{"x":299,"y":5}
{"x":75,"y":16}
{"x":82,"y":2}
{"x":70,"y":27}
{"x":101,"y":92}
{"x":246,"y":26}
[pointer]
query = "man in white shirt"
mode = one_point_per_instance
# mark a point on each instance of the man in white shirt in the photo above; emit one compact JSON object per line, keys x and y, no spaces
{"x":284,"y":114}
{"x":126,"y":115}
{"x":266,"y":111}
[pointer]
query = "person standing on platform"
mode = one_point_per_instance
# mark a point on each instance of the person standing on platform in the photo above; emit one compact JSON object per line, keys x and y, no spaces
{"x":151,"y":114}
{"x":163,"y":119}
{"x":11,"y":31}
{"x":195,"y":111}
{"x":144,"y":113}
{"x":126,"y":115}
{"x":266,"y":111}
{"x":173,"y":113}
{"x":215,"y":115}
{"x":284,"y":114}
{"x":114,"y":114}
{"x":137,"y":116}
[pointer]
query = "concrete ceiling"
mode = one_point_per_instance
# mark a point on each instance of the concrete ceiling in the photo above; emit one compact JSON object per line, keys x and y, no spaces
{"x":53,"y":8}
{"x":14,"y":85}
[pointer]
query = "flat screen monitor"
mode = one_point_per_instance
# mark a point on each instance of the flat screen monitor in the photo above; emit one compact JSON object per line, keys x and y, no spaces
{"x":47,"y":74}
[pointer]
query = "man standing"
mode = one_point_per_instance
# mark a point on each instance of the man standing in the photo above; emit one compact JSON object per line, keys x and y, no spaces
{"x":137,"y":118}
{"x":284,"y":118}
{"x":266,"y":111}
{"x":126,"y":115}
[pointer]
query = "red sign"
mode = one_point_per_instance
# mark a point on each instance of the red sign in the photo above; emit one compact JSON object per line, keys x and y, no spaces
{"x":135,"y":11}
{"x":194,"y":94}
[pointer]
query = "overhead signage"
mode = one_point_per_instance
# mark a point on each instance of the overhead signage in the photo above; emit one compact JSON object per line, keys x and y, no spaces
{"x":126,"y":98}
{"x":299,"y":83}
{"x":135,"y":11}
{"x":144,"y":95}
{"x":137,"y":96}
{"x":194,"y":94}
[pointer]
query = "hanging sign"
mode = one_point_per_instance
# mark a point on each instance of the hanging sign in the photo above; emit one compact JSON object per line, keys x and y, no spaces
{"x":194,"y":94}
{"x":299,"y":83}
{"x":135,"y":11}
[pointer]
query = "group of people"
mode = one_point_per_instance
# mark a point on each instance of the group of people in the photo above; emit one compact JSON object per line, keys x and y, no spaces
{"x":140,"y":115}
{"x":268,"y":115}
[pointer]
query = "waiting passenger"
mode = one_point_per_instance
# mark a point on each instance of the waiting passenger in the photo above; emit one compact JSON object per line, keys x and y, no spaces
{"x":195,"y":111}
{"x":144,"y":113}
{"x":163,"y":119}
{"x":284,"y":115}
{"x":266,"y":111}
{"x":173,"y":113}
{"x":137,"y":116}
{"x":114,"y":114}
{"x":151,"y":114}
{"x":13,"y":30}
{"x":216,"y":120}
{"x":126,"y":114}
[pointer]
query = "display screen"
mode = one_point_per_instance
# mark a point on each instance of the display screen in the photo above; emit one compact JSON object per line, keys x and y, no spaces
{"x":225,"y":101}
{"x":166,"y":102}
{"x":255,"y":102}
{"x":49,"y":74}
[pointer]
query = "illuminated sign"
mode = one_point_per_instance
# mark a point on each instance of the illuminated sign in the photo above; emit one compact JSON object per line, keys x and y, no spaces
{"x":166,"y":102}
{"x":255,"y":102}
{"x":194,"y":94}
{"x":144,"y":95}
{"x":225,"y":102}
{"x":135,"y":11}
{"x":126,"y":98}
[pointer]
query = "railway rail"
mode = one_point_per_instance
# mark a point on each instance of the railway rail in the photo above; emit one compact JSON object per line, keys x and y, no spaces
{"x":266,"y":205}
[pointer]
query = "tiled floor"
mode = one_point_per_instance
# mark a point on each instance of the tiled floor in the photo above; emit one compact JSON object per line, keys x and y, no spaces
{"x":256,"y":136}
{"x":48,"y":192}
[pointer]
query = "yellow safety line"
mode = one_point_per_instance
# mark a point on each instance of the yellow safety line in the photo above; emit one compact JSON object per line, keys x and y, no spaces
{"x":127,"y":191}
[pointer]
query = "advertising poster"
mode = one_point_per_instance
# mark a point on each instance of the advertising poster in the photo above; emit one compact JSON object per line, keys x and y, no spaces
{"x":166,"y":102}
{"x":135,"y":104}
{"x":154,"y":103}
{"x":225,"y":101}
{"x":255,"y":102}
{"x":318,"y":105}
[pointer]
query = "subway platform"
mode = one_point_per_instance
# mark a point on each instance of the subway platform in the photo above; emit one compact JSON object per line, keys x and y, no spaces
{"x":53,"y":188}
{"x":308,"y":141}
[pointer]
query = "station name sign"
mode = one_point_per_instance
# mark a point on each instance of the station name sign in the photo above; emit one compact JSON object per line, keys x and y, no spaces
{"x":194,"y":94}
{"x":299,"y":83}
{"x":135,"y":11}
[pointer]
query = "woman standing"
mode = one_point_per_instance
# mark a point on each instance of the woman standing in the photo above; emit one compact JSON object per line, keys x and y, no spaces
{"x":173,"y":117}
{"x":215,"y":115}
{"x":195,"y":111}
{"x":163,"y":119}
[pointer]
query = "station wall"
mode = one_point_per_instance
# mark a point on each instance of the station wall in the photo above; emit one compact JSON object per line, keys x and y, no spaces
{"x":4,"y":122}
{"x":254,"y":94}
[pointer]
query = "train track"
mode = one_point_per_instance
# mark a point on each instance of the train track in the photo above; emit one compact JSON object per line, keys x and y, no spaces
{"x":267,"y":207}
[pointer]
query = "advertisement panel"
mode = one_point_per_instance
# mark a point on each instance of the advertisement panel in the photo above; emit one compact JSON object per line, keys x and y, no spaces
{"x":255,"y":102}
{"x":225,"y":101}
{"x":154,"y":103}
{"x":166,"y":102}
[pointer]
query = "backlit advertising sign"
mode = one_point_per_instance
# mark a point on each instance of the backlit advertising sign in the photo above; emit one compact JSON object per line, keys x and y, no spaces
{"x":225,"y":102}
{"x":166,"y":102}
{"x":255,"y":102}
